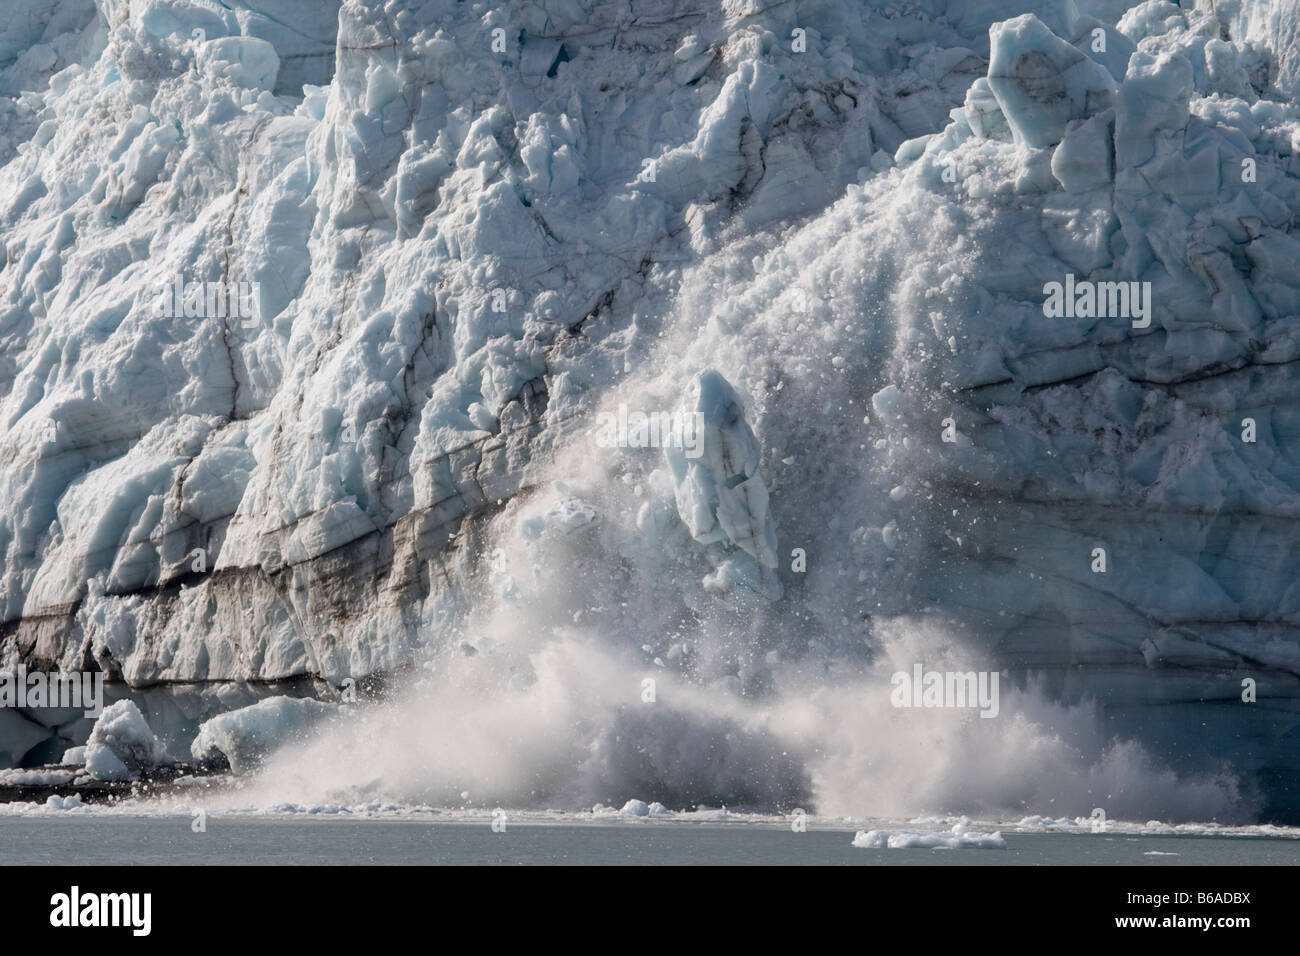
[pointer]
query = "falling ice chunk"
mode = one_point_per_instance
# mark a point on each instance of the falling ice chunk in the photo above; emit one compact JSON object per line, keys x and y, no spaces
{"x":720,"y":495}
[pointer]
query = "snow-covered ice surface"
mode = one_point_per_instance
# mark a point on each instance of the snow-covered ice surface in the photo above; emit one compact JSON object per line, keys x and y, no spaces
{"x":468,"y":229}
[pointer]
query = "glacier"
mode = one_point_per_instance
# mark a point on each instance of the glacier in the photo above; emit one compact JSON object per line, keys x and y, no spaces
{"x":828,"y":226}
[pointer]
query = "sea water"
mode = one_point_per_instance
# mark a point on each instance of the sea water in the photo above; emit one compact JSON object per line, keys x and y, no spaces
{"x":334,"y":840}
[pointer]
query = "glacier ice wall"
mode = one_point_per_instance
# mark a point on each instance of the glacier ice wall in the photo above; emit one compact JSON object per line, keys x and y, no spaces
{"x":472,"y":229}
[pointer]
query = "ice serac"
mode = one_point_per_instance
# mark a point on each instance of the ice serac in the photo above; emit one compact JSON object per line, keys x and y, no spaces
{"x":715,"y":468}
{"x":244,"y":737}
{"x":1041,"y":82}
{"x":121,"y":746}
{"x":469,"y":227}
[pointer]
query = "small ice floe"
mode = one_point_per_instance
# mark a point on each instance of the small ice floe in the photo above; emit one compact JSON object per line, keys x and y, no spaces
{"x":1037,"y":821}
{"x":55,"y":802}
{"x":960,"y":837}
{"x":639,"y":808}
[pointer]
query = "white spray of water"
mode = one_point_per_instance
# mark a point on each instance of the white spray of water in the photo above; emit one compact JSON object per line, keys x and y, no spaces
{"x":565,"y":720}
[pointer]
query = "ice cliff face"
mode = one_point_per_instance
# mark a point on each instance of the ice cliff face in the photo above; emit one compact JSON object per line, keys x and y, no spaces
{"x":826,"y":228}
